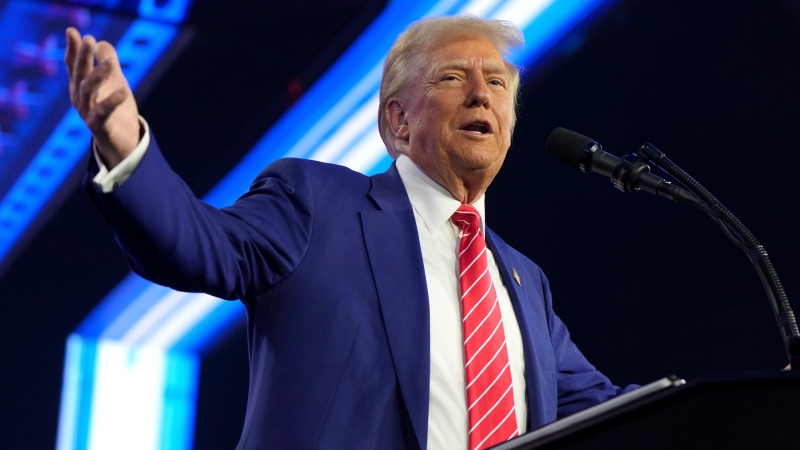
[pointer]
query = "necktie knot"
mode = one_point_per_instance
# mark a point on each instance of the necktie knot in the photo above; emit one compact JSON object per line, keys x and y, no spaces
{"x":467,"y":218}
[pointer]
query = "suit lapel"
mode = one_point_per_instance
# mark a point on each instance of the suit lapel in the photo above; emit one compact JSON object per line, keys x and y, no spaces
{"x":527,"y":320}
{"x":392,"y":243}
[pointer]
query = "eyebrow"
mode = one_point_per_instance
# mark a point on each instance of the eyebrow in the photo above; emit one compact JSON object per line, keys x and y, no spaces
{"x":490,"y":67}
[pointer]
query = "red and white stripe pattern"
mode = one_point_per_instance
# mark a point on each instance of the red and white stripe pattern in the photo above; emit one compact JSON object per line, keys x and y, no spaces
{"x":490,"y":397}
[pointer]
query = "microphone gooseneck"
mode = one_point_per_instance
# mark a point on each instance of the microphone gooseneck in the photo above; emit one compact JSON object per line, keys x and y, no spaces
{"x":632,"y":173}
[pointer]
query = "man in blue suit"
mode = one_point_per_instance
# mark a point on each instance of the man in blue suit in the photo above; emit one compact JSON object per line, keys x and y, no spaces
{"x":351,"y":283}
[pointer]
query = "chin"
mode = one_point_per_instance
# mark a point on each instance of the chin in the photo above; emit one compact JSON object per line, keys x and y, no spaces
{"x":480,"y":158}
{"x":480,"y":164}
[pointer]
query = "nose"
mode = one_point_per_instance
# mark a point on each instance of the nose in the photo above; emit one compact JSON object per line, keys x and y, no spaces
{"x":478,"y":93}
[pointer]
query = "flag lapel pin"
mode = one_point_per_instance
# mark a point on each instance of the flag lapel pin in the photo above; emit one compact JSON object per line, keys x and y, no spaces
{"x":516,"y":276}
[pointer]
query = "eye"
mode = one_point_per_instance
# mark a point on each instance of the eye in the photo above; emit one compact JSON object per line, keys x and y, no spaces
{"x":450,"y":77}
{"x":496,"y":82}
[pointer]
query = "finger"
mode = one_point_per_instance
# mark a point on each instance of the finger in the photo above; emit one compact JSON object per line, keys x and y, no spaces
{"x":84,"y":62}
{"x":104,"y":50}
{"x":90,"y":85}
{"x":73,"y":42}
{"x":98,"y":115}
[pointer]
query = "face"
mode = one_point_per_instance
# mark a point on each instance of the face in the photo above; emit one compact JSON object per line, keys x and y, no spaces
{"x":455,"y":120}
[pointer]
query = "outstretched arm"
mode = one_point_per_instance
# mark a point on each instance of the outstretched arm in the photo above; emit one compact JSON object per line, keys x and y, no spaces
{"x":169,"y":236}
{"x":102,"y":96}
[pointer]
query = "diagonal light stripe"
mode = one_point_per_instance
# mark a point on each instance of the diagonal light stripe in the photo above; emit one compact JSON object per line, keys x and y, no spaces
{"x":363,"y":157}
{"x":142,"y":304}
{"x":149,"y":322}
{"x":365,"y":87}
{"x":481,"y":8}
{"x":195,"y":308}
{"x":521,"y":12}
{"x":339,"y":142}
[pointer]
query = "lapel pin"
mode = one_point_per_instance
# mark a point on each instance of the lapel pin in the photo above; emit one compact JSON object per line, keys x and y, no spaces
{"x":516,"y":276}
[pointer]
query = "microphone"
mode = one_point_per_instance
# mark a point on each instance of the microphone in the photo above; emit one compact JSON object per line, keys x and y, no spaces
{"x":629,"y":174}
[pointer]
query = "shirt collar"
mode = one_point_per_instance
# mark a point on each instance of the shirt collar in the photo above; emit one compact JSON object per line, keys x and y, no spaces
{"x":431,"y":201}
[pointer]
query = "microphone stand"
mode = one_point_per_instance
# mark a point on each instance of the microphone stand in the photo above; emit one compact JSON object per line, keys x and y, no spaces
{"x":735,"y":230}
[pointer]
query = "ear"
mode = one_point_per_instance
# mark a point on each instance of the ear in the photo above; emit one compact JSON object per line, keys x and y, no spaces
{"x":397,"y":118}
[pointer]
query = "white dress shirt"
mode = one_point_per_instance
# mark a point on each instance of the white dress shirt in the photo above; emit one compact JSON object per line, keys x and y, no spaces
{"x":439,"y":240}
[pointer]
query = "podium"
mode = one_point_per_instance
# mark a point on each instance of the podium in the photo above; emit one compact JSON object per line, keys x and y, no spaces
{"x":750,"y":411}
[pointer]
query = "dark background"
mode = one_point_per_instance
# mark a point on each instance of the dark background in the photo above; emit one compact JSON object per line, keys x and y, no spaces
{"x":648,"y":287}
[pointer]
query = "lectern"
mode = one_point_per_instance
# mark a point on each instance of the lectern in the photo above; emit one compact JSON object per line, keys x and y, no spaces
{"x":750,"y":411}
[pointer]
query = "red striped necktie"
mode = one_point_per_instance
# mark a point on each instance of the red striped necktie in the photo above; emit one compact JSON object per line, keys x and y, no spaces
{"x":490,"y":397}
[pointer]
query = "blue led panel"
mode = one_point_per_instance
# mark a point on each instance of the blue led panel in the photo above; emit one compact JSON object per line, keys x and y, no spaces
{"x":171,"y":11}
{"x":42,"y":137}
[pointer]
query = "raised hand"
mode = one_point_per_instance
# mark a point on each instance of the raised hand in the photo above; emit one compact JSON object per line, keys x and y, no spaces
{"x":102,"y":96}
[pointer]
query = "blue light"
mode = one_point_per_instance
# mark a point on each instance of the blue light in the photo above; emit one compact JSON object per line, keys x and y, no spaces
{"x":77,"y":389}
{"x":180,"y":394}
{"x":117,"y":312}
{"x":172,"y":11}
{"x":554,"y":23}
{"x":138,"y":50}
{"x":33,"y":189}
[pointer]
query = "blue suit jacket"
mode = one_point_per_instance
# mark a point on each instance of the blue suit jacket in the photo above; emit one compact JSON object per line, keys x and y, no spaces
{"x":328,"y":265}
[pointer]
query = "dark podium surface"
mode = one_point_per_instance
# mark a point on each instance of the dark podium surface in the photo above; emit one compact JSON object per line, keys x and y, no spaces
{"x":732,"y":411}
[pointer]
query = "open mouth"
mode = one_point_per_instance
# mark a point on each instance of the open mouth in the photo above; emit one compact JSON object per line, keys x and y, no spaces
{"x":477,"y":128}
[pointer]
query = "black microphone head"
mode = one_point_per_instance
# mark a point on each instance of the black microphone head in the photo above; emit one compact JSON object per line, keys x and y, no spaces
{"x":568,"y":146}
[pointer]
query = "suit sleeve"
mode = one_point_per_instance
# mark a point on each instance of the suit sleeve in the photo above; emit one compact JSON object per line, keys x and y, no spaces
{"x":172,"y":238}
{"x":580,"y":385}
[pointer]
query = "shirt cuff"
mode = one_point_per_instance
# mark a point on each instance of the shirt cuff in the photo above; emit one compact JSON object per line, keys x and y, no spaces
{"x":108,"y":180}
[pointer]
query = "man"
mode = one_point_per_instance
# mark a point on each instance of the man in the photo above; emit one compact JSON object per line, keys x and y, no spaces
{"x":377,"y":316}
